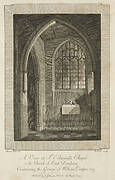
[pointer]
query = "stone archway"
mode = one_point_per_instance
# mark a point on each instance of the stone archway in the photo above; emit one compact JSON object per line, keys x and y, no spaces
{"x":35,"y":43}
{"x":37,"y":53}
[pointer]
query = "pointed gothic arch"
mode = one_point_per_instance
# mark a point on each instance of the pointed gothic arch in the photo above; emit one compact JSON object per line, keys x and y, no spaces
{"x":24,"y":59}
{"x":39,"y":30}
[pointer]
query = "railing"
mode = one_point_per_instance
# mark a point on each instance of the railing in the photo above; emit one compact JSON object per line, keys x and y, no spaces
{"x":54,"y":120}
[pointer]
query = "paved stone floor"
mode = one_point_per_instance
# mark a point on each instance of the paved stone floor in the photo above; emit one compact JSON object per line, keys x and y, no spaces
{"x":61,"y":136}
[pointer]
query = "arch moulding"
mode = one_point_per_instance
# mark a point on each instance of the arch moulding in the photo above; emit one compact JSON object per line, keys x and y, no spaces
{"x":24,"y":59}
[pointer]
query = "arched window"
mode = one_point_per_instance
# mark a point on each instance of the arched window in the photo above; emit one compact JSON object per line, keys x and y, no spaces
{"x":70,"y":66}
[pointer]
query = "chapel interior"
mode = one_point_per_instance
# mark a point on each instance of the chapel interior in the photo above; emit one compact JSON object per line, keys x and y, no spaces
{"x":57,"y":77}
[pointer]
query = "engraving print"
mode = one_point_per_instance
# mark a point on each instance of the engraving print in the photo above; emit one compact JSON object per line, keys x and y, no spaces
{"x":57,"y":77}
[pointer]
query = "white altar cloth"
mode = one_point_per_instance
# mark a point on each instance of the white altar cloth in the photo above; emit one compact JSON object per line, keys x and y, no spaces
{"x":70,"y":109}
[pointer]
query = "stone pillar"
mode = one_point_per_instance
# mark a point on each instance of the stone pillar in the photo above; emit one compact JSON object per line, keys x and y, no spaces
{"x":24,"y":109}
{"x":40,"y":58}
{"x":37,"y":105}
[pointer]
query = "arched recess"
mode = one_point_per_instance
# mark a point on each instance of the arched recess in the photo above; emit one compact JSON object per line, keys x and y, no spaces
{"x":89,"y":75}
{"x":88,"y":60}
{"x":24,"y":59}
{"x":33,"y":91}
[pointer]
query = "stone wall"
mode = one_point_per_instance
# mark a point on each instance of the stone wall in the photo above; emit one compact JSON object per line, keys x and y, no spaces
{"x":56,"y":98}
{"x":25,"y":27}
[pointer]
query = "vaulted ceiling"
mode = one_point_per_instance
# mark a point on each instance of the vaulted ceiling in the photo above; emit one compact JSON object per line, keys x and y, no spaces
{"x":87,"y":24}
{"x":57,"y":31}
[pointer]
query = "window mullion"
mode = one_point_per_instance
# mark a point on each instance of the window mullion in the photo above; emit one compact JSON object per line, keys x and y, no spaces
{"x":71,"y":74}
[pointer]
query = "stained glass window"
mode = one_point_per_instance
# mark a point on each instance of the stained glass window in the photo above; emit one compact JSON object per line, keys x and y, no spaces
{"x":70,"y":66}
